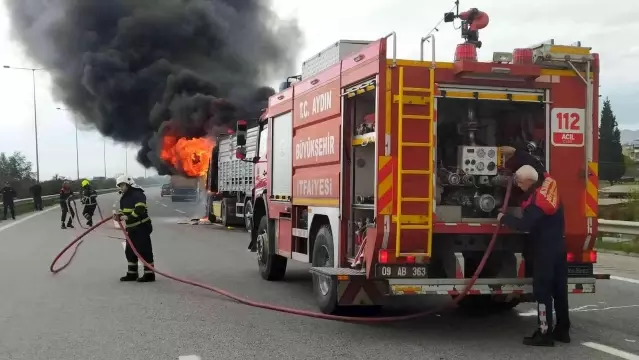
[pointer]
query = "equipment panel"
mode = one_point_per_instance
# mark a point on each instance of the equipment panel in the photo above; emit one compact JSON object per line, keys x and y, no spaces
{"x":478,"y":160}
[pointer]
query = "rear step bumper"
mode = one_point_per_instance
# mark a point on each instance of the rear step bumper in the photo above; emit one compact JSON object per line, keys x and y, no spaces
{"x":500,"y":286}
{"x":496,"y":286}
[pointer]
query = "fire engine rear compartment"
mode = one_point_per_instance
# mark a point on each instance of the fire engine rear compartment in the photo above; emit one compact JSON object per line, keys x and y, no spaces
{"x":462,"y":197}
{"x":469,"y":131}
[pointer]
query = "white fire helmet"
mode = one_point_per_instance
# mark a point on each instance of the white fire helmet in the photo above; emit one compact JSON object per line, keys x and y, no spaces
{"x":124,"y":179}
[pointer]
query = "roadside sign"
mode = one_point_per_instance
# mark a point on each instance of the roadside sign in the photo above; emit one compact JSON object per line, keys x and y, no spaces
{"x":567,"y":127}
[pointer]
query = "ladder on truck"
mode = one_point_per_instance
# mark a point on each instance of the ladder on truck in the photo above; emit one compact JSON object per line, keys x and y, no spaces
{"x":407,"y":222}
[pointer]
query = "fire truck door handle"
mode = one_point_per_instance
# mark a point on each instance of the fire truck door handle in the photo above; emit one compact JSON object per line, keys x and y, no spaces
{"x":264,"y":173}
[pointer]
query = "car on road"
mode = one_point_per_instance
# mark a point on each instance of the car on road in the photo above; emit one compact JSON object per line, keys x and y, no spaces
{"x":166,"y":190}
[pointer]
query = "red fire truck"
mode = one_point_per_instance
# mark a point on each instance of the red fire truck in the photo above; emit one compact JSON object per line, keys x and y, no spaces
{"x":385,"y":174}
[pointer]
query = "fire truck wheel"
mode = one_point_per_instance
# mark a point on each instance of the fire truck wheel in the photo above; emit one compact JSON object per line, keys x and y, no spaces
{"x":272,"y":266}
{"x":324,"y":288}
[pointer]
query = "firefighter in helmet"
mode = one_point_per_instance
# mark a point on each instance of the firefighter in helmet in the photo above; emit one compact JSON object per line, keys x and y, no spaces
{"x":134,"y":213}
{"x":89,"y":199}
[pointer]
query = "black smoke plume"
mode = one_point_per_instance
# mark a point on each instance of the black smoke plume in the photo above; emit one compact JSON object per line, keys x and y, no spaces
{"x":137,"y":68}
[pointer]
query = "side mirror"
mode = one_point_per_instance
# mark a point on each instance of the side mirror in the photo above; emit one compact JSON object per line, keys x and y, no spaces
{"x":240,"y":134}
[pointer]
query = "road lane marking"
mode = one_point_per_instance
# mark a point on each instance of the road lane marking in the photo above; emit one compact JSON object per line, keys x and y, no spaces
{"x":180,"y":211}
{"x":611,"y":351}
{"x":165,"y":205}
{"x":189,"y":357}
{"x":619,"y":278}
{"x":584,"y":308}
{"x":12,"y":223}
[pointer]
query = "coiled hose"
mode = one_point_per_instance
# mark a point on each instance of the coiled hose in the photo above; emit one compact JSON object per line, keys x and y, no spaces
{"x":283,"y":309}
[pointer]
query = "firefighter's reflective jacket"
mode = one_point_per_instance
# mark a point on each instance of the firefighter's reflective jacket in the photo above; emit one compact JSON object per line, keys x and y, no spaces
{"x":89,"y":196}
{"x":133,"y":205}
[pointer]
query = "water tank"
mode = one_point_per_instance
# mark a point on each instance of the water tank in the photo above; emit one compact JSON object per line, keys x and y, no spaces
{"x":523,"y":56}
{"x":466,"y":52}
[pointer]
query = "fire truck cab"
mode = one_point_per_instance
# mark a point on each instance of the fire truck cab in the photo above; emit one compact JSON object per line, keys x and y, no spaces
{"x":385,"y":174}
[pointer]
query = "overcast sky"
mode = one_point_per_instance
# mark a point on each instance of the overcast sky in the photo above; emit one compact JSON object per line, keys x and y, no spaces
{"x":608,"y":27}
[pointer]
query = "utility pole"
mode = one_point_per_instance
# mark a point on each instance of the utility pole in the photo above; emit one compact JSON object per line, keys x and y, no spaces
{"x":35,"y":112}
{"x":104,"y":144}
{"x":77,"y":148}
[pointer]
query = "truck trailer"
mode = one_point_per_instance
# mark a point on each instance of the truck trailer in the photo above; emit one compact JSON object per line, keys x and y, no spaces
{"x":186,"y":188}
{"x":386,"y":176}
{"x":231,"y":181}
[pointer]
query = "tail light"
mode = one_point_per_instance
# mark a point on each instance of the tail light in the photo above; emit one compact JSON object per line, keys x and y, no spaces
{"x":410,"y":259}
{"x":588,"y":256}
{"x":383,"y":256}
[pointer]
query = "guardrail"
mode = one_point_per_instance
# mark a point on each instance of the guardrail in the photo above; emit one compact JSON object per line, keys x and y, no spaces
{"x":55,"y":196}
{"x":618,"y":227}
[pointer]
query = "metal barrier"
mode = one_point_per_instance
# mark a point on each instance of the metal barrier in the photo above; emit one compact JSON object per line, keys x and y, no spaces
{"x":618,"y":227}
{"x":18,"y":202}
{"x":55,"y":196}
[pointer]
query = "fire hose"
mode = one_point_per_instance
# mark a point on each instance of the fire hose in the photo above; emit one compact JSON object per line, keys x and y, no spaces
{"x":77,"y":214}
{"x":283,"y":309}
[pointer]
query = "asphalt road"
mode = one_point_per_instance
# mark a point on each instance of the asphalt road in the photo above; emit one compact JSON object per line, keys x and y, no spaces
{"x":86,"y":313}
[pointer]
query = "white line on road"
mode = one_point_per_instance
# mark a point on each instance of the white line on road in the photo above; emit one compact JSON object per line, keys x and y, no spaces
{"x":189,"y":357}
{"x":584,"y":308}
{"x":29,"y":217}
{"x":611,"y":351}
{"x":165,"y":205}
{"x":619,"y":278}
{"x":180,"y":211}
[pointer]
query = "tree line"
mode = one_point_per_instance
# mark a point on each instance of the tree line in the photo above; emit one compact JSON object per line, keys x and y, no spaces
{"x":613,"y":164}
{"x":18,"y":171}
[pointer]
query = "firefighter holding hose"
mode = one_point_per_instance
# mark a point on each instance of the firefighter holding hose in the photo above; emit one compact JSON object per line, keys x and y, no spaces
{"x":134,"y":214}
{"x":543,"y":219}
{"x":66,"y":195}
{"x":90,"y":201}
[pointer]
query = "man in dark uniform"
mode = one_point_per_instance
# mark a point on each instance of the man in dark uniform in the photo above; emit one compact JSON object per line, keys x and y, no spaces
{"x":66,"y":195}
{"x":543,"y":219}
{"x":36,"y":193}
{"x":134,"y":213}
{"x":90,"y":201}
{"x":8,"y":194}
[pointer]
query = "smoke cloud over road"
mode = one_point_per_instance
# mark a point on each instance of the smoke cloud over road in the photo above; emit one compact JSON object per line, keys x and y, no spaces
{"x":138,"y":69}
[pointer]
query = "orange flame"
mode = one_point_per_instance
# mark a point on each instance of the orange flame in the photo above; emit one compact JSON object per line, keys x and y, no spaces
{"x":191,"y":156}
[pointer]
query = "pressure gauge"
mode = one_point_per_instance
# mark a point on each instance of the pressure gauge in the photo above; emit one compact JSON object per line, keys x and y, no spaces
{"x":480,"y":166}
{"x":491,"y":153}
{"x":481,"y":153}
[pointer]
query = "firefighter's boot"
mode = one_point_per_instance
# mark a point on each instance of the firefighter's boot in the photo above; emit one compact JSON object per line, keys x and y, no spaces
{"x":539,"y":339}
{"x":148,"y":276}
{"x":561,"y":334}
{"x":90,"y":223}
{"x":70,"y":225}
{"x":131,"y":272}
{"x":63,"y":226}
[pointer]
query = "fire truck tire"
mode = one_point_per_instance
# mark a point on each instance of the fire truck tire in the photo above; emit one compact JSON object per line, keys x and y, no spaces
{"x":324,"y":288}
{"x":272,"y":266}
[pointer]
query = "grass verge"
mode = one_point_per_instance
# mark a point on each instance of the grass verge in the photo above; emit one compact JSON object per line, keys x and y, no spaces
{"x":631,"y":246}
